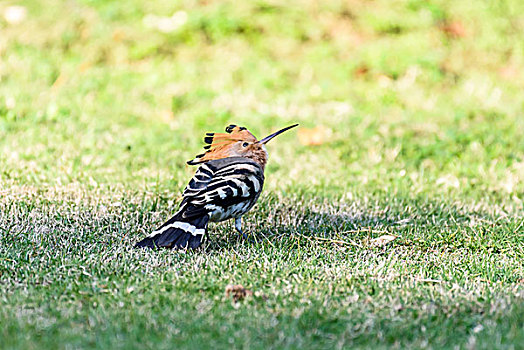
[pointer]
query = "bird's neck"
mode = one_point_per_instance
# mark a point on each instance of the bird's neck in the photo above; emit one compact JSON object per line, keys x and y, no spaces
{"x":260,"y":156}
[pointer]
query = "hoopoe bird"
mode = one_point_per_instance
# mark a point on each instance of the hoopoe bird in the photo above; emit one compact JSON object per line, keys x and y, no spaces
{"x":226,"y":186}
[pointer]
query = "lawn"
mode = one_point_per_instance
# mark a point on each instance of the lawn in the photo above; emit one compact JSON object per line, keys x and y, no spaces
{"x":393,"y":217}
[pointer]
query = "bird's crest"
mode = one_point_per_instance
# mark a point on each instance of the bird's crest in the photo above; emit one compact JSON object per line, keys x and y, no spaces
{"x":218,"y":143}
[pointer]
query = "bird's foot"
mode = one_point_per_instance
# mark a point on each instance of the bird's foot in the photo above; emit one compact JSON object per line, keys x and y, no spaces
{"x":238,"y":227}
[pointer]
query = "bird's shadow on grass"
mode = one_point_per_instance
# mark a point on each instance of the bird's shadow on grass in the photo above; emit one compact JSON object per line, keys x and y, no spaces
{"x":413,"y":220}
{"x":318,"y":227}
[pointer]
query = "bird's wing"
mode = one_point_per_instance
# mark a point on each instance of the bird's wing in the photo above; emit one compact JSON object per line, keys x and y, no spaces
{"x":221,"y":183}
{"x":199,"y":182}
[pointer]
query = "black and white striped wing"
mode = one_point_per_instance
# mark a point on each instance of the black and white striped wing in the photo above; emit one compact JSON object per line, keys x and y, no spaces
{"x":199,"y":182}
{"x":222,"y":184}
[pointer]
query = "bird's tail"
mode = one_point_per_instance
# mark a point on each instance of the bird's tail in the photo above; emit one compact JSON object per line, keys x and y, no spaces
{"x":177,"y":232}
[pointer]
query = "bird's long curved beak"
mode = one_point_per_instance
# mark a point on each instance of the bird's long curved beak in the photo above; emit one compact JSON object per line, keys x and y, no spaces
{"x":267,"y":138}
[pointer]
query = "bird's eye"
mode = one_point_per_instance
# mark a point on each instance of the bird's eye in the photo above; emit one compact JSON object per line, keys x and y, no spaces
{"x":245,"y":144}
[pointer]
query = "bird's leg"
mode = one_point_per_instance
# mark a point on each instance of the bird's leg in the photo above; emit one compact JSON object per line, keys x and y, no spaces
{"x":238,"y":226}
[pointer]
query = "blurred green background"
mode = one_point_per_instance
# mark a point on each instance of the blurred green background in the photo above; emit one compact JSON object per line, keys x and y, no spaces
{"x":411,"y":124}
{"x":102,"y":91}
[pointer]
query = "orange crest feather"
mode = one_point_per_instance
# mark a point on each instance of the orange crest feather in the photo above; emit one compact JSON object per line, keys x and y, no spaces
{"x":218,"y":143}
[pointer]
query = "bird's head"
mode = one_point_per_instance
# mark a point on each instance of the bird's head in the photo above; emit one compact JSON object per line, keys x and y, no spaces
{"x":236,"y":142}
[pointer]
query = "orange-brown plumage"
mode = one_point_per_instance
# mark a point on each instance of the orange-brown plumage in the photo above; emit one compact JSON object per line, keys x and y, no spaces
{"x":236,"y":142}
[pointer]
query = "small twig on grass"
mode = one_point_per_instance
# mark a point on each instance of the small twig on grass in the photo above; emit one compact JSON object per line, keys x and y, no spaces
{"x":267,"y":239}
{"x":427,"y":280}
{"x":364,"y":229}
{"x":329,"y":240}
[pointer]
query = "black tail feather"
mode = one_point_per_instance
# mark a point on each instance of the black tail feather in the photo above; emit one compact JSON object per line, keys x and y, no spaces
{"x":178,"y":233}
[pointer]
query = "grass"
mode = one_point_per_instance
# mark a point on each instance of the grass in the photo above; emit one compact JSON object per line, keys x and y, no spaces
{"x":419,"y":108}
